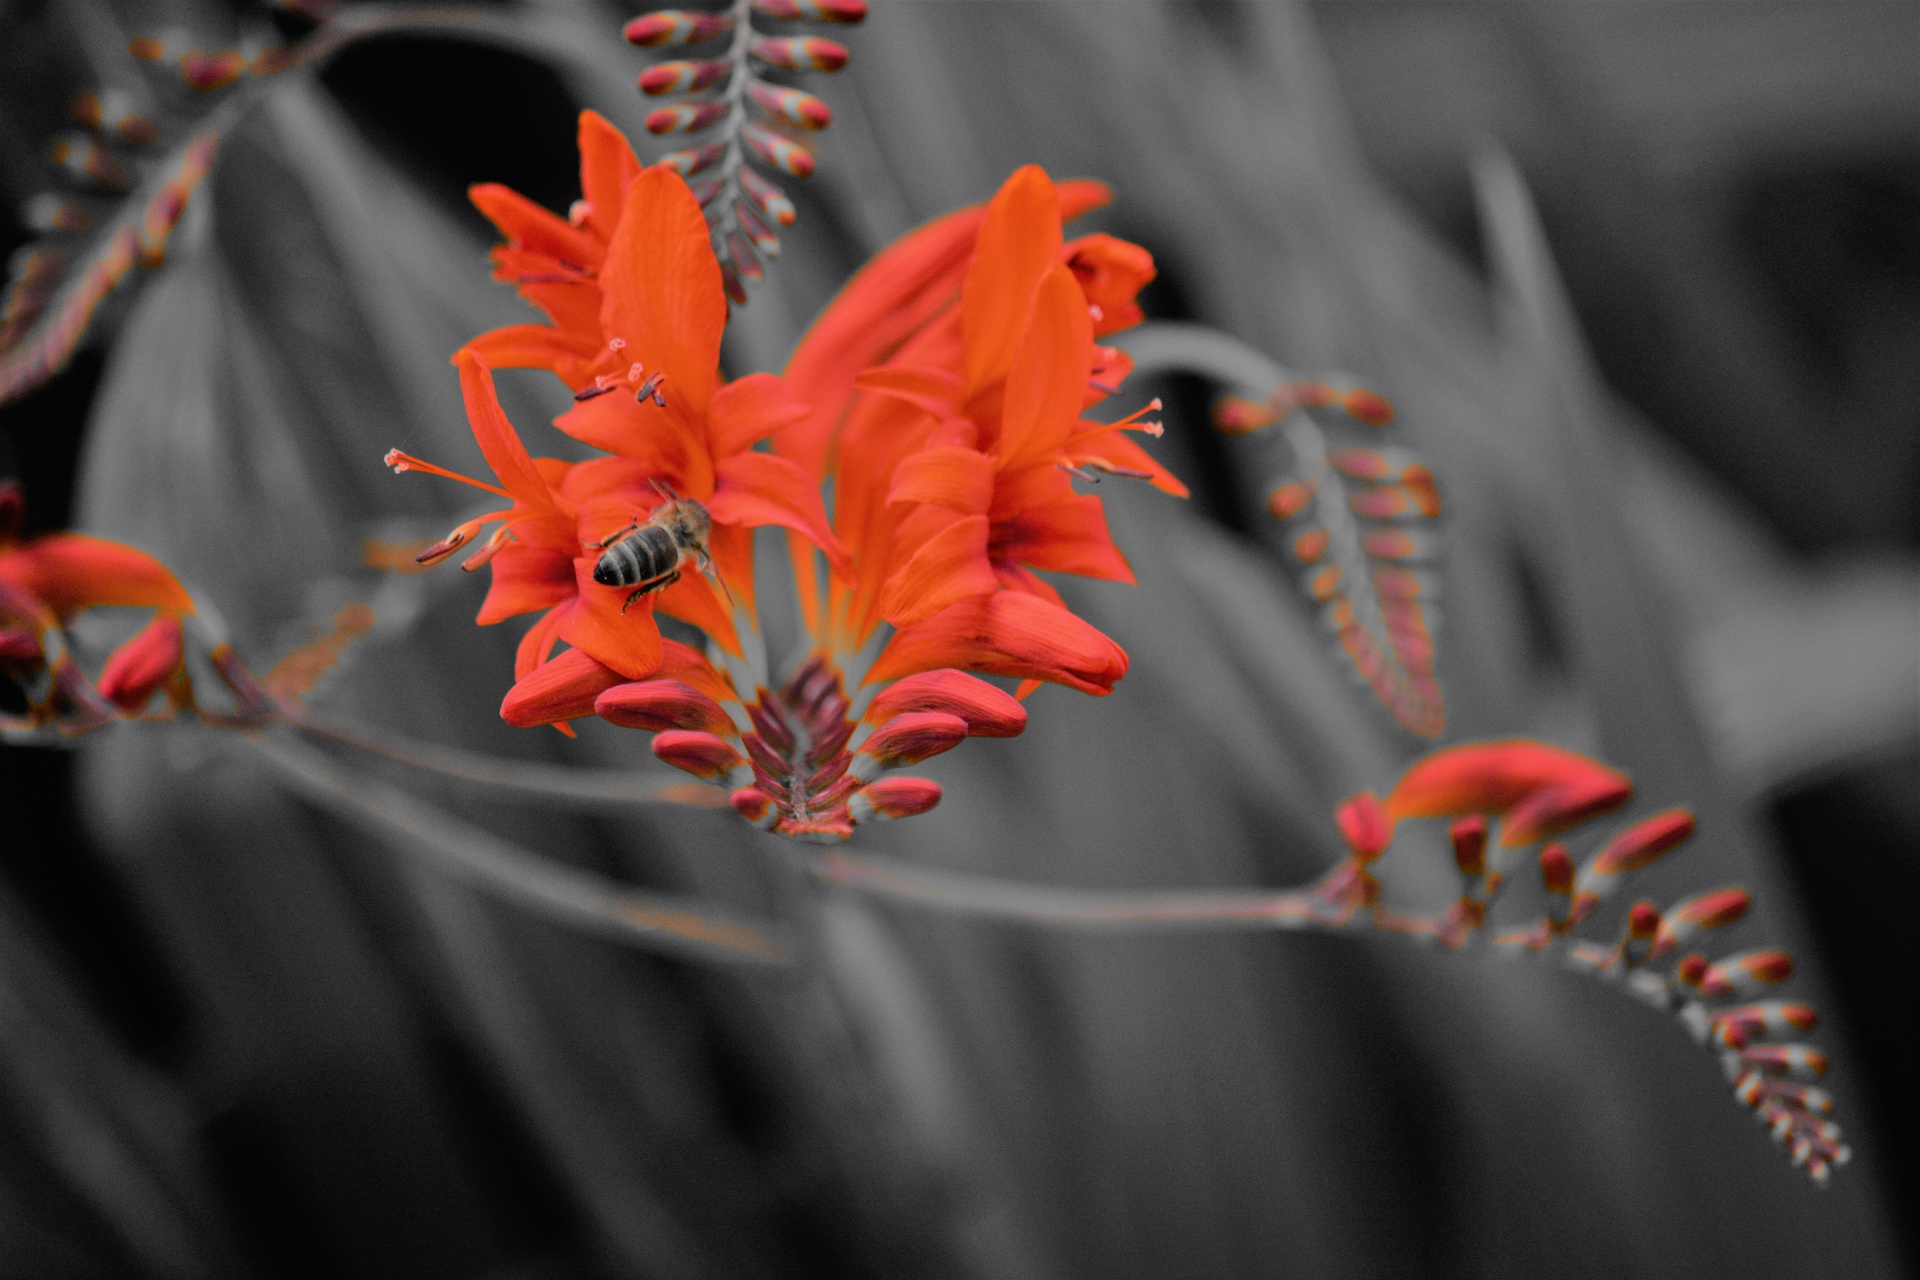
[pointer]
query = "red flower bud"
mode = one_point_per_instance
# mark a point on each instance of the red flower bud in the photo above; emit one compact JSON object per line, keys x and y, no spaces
{"x":658,"y":705}
{"x":141,"y":665}
{"x":913,"y":737}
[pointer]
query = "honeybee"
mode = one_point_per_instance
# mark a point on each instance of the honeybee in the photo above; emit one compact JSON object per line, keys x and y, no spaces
{"x":648,"y":557}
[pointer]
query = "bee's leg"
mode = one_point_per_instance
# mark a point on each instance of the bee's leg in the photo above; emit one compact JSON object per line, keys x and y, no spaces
{"x":648,"y":588}
{"x":612,"y":538}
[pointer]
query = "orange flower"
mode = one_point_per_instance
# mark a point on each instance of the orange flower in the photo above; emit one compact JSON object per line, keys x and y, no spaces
{"x":44,"y":583}
{"x":952,"y":469}
{"x":674,"y":429}
{"x":638,"y":307}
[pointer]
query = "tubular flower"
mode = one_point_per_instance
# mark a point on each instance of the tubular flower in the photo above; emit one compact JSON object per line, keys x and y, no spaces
{"x":47,"y":581}
{"x":952,"y":453}
{"x":637,"y":304}
{"x":673,"y":433}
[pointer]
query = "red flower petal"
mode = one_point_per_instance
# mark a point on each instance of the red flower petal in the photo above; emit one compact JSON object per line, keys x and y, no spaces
{"x":1008,"y":633}
{"x":497,"y":438}
{"x":952,"y":477}
{"x":657,"y":705}
{"x":1111,"y":272}
{"x":989,"y":713}
{"x":527,"y":225}
{"x":563,"y":689}
{"x":756,"y":489}
{"x":628,"y":642}
{"x":748,"y":410}
{"x":1019,"y":242}
{"x":950,"y":566}
{"x":1560,"y":788}
{"x":69,"y":572}
{"x":607,"y":167}
{"x":662,"y":288}
{"x":1047,"y":379}
{"x":527,"y":580}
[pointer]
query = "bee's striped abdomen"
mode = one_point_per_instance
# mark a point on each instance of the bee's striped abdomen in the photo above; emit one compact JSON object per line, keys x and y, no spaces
{"x":649,"y":555}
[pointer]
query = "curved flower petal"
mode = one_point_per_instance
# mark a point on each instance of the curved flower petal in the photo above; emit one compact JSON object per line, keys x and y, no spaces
{"x":69,"y":572}
{"x":958,"y":479}
{"x":1066,"y":536}
{"x":931,"y":390}
{"x":1047,"y":379}
{"x":755,"y":489}
{"x":628,"y":641}
{"x":496,"y":437}
{"x":663,"y":295}
{"x":948,"y":567}
{"x":1019,"y":241}
{"x":1560,"y":787}
{"x":562,"y":689}
{"x":748,"y":410}
{"x":1111,"y":272}
{"x":607,"y":168}
{"x":893,"y":297}
{"x":1008,"y":633}
{"x":536,"y":346}
{"x":529,"y":226}
{"x":526,"y":580}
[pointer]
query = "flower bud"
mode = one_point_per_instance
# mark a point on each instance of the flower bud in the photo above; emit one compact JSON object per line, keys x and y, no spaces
{"x":659,"y":705}
{"x":140,"y":666}
{"x":704,"y":755}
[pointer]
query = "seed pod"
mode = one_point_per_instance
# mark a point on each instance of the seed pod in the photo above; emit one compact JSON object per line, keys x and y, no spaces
{"x":801,"y":53}
{"x":782,"y":153}
{"x":768,"y":198}
{"x":847,"y":11}
{"x":790,"y":105}
{"x":683,"y":77}
{"x":694,"y":159}
{"x":687,"y":117}
{"x":676,"y":26}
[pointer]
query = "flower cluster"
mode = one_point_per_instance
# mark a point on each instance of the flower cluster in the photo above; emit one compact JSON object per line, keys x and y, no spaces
{"x":45,"y":583}
{"x":938,"y":402}
{"x":1506,"y":802}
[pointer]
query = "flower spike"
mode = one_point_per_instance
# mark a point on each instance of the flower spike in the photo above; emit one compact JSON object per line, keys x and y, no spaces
{"x":725,"y":89}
